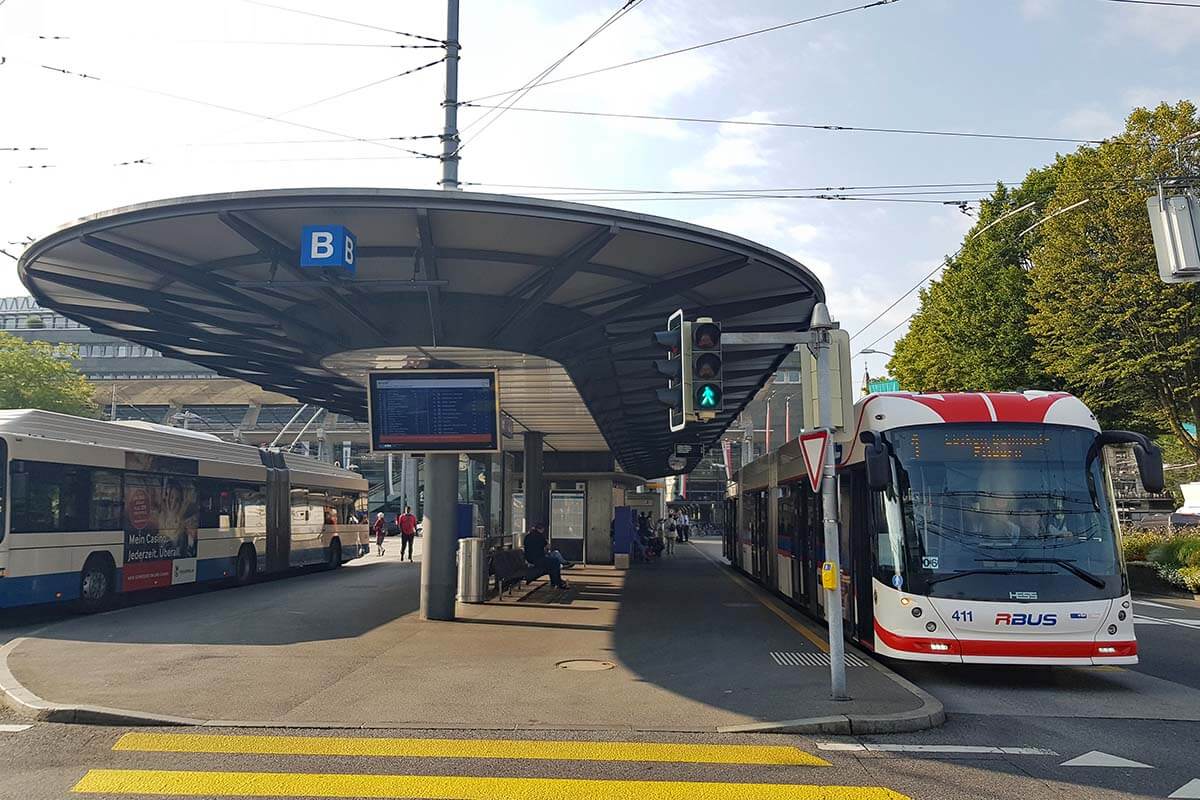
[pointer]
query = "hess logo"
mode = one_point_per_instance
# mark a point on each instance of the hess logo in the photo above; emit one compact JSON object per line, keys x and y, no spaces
{"x":1005,"y":618}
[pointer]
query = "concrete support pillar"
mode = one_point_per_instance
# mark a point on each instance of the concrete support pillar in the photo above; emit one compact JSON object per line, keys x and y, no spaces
{"x":598,"y":547}
{"x":537,"y":494}
{"x":439,"y":542}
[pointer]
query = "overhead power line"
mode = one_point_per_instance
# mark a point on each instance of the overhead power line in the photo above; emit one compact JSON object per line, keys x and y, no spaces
{"x":342,"y":20}
{"x":799,"y":125}
{"x":514,"y":97}
{"x":369,"y":85}
{"x":268,"y":42}
{"x":691,"y":48}
{"x":1173,"y":3}
{"x":230,"y":109}
{"x":890,"y":331}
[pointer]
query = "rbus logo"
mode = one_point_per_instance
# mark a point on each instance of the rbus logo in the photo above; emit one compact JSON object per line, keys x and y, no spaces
{"x":1026,"y":619}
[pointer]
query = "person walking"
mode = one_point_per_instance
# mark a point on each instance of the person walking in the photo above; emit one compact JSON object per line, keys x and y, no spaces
{"x":407,"y":523}
{"x":684,"y":527}
{"x":379,"y":528}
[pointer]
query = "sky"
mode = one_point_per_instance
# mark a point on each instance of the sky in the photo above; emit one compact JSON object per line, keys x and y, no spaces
{"x":183,"y":88}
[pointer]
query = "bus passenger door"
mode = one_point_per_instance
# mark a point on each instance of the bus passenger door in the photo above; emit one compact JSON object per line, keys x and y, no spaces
{"x":856,"y":536}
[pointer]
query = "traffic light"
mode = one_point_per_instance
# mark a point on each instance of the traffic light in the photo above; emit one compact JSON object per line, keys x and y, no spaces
{"x":676,"y":397}
{"x":705,"y":366}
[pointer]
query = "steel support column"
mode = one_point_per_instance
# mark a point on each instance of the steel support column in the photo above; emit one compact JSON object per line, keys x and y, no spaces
{"x":537,"y":493}
{"x":439,"y":545}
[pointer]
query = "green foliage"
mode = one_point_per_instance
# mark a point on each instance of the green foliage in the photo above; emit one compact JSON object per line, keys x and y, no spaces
{"x":1184,"y":577}
{"x":1179,"y":550}
{"x":972,"y":329}
{"x":38,"y":375}
{"x":1105,"y":323}
{"x":1137,"y":544}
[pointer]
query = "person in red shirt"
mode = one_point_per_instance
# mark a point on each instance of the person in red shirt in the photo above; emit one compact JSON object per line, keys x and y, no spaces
{"x":408,"y":531}
{"x":379,"y":529}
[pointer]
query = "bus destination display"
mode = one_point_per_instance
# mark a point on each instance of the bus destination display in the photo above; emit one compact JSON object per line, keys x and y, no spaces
{"x":434,"y":410}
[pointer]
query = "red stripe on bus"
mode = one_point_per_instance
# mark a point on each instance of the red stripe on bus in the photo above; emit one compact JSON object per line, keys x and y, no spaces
{"x":1003,"y":648}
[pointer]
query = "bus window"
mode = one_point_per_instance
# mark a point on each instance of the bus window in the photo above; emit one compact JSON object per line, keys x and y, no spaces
{"x":251,"y":510}
{"x":64,"y":497}
{"x":215,"y":501}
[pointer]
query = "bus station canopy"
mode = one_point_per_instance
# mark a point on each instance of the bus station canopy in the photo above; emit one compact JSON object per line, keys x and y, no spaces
{"x":561,"y":297}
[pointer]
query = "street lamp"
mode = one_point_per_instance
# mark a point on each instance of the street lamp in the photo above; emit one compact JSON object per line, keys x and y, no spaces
{"x":870,"y":352}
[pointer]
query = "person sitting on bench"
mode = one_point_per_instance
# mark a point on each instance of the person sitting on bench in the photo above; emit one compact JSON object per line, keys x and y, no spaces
{"x":541,"y":558}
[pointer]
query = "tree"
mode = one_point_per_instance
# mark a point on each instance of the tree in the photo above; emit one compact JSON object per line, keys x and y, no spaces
{"x":971,"y":331}
{"x":39,"y":375}
{"x":1104,"y":321}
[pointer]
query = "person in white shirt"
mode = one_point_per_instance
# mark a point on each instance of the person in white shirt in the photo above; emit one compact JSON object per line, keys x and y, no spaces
{"x":684,"y":527}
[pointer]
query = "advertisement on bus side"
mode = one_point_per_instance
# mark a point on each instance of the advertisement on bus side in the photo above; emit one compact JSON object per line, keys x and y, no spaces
{"x":161,"y":531}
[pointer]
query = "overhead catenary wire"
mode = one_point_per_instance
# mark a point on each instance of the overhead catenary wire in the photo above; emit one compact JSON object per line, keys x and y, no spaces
{"x":1172,"y":3}
{"x":360,"y":88}
{"x":342,"y":20}
{"x":518,"y":94}
{"x":796,"y":125}
{"x":229,"y":109}
{"x":691,"y":48}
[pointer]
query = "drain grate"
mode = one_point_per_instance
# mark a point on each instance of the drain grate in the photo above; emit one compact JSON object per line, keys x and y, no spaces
{"x":585,"y":665}
{"x":799,"y":659}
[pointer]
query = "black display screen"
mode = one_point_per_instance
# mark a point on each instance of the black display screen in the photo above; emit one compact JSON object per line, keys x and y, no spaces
{"x":432,"y":410}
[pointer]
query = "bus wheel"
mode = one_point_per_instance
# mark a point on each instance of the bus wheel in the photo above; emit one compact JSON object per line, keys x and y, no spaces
{"x":95,"y":584}
{"x":246,"y":565}
{"x":335,"y":554}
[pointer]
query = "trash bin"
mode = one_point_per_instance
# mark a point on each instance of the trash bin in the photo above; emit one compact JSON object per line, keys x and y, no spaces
{"x":472,"y":570}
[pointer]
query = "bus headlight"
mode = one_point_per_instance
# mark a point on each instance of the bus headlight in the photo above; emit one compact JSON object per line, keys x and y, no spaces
{"x":1121,"y":616}
{"x":916,"y":611}
{"x":1112,"y":630}
{"x":931,"y":626}
{"x":939,"y":646}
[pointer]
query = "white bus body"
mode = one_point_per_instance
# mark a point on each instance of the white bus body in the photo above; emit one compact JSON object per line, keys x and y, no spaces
{"x":996,"y":541}
{"x":93,"y":507}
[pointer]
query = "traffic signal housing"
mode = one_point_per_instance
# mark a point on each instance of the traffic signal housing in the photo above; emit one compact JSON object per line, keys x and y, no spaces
{"x":676,"y":368}
{"x":705,"y":367}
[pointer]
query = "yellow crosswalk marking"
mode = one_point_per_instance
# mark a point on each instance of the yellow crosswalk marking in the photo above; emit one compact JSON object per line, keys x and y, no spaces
{"x":468,"y":748}
{"x":292,"y":784}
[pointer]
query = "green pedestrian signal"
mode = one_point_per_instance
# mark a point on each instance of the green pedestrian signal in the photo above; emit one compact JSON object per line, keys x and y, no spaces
{"x":705,"y":368}
{"x":708,"y":397}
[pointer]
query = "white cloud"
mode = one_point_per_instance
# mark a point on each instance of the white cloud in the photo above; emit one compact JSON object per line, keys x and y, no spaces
{"x":1164,"y":28}
{"x":732,"y":158}
{"x":1090,"y":123}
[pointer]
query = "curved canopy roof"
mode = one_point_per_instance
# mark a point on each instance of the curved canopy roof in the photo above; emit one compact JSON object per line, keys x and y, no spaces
{"x":215,"y":279}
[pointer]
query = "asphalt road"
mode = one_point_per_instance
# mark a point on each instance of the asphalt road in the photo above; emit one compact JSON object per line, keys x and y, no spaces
{"x":1103,"y":732}
{"x":49,"y":761}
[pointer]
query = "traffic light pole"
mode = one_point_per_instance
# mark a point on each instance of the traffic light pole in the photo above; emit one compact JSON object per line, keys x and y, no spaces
{"x":818,"y":339}
{"x":829,"y":504}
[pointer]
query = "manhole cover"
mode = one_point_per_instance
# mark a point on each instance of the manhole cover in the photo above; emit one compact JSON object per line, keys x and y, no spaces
{"x":585,"y":665}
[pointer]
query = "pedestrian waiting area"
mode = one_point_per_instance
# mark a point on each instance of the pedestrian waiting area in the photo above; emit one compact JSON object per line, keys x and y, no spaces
{"x":680,"y":643}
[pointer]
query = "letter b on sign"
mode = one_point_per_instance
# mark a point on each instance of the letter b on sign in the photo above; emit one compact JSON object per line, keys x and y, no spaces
{"x":327,"y":247}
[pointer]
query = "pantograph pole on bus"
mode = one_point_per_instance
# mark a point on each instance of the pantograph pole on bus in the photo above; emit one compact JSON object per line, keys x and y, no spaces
{"x":820,"y":326}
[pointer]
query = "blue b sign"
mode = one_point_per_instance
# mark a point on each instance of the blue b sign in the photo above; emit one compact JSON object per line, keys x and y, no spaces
{"x":327,"y":246}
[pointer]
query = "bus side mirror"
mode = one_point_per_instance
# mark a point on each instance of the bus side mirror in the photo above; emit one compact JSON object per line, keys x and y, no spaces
{"x":879,"y":466}
{"x":1150,"y":466}
{"x":1147,"y":454}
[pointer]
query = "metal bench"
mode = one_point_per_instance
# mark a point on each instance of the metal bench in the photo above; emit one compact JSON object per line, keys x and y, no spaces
{"x":510,"y":568}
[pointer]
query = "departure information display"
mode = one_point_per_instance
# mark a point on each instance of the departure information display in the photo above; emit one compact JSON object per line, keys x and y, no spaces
{"x":434,"y":411}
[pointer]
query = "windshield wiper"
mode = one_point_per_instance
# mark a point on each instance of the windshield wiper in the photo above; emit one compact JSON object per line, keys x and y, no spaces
{"x":940,"y":578}
{"x":1069,"y":566}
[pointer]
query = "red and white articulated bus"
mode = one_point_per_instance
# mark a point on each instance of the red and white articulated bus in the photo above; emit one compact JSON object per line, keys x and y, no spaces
{"x":976,"y":528}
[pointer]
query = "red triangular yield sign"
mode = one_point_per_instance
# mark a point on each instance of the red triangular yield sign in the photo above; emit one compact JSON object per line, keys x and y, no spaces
{"x":812,"y":447}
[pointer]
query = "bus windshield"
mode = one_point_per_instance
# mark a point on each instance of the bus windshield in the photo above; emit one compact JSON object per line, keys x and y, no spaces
{"x":1000,"y":511}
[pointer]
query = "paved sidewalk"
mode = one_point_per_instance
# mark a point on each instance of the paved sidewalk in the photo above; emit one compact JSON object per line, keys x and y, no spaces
{"x":678,"y":645}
